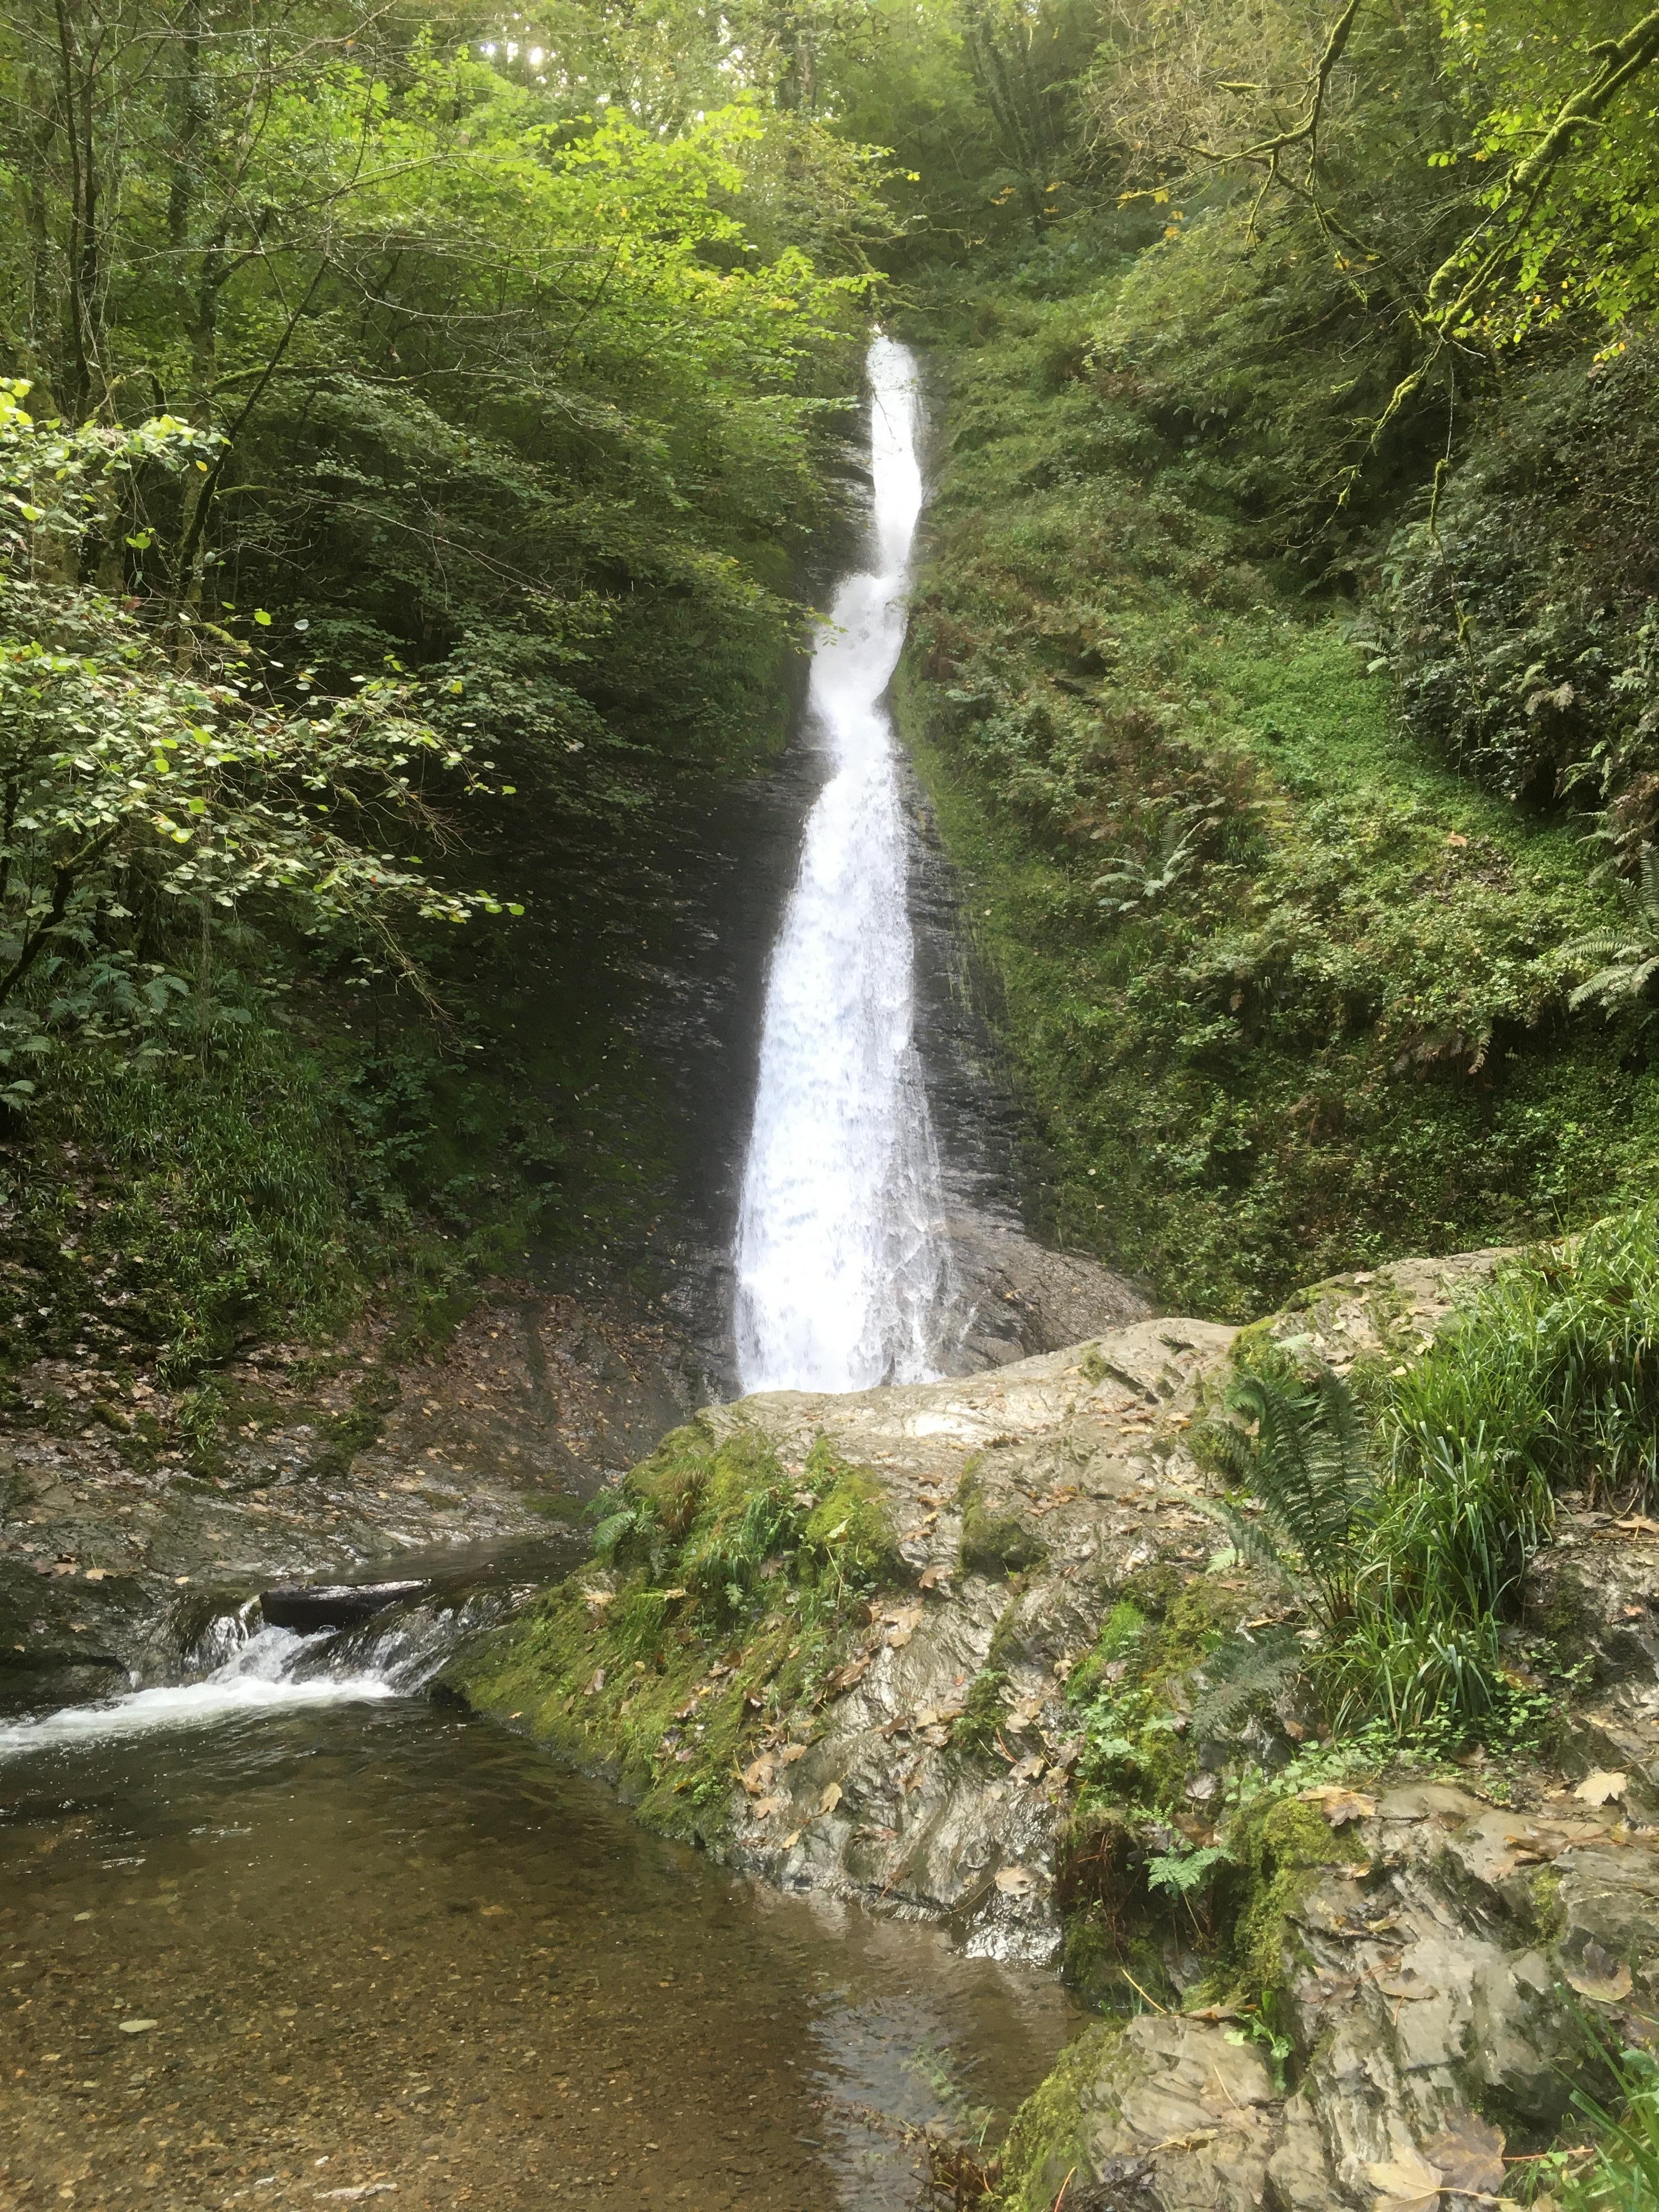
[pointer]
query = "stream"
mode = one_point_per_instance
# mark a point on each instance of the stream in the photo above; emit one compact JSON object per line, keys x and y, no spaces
{"x":283,"y":1929}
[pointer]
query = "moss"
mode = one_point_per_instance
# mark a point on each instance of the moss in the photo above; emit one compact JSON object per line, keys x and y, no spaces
{"x":1045,"y":2142}
{"x":994,"y":1544}
{"x":1093,"y":1366}
{"x":1280,"y":1850}
{"x":984,"y":1711}
{"x":728,"y":1590}
{"x":852,"y":1522}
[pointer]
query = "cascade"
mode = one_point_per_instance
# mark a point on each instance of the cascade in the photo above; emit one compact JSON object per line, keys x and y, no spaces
{"x":843,"y":1274}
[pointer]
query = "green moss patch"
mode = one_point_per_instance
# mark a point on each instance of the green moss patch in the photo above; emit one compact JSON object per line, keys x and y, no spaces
{"x":1045,"y":2143}
{"x":993,"y":1543}
{"x":724,"y":1594}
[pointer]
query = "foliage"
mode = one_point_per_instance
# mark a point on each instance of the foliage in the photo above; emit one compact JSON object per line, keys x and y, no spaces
{"x":1630,"y":953}
{"x":488,"y":420}
{"x":1623,"y":2173}
{"x":136,"y":792}
{"x":1303,"y":1456}
{"x":731,"y":1591}
{"x":1543,"y":1382}
{"x":1338,"y":1032}
{"x":1517,"y":597}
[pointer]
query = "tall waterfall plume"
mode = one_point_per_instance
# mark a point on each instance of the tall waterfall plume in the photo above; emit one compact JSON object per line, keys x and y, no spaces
{"x":844,"y":1271}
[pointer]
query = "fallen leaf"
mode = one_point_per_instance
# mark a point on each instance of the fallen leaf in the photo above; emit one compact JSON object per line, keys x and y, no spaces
{"x":792,"y":1752}
{"x":1601,"y":1989}
{"x":792,"y":1840}
{"x":1638,"y":1525}
{"x":830,"y":1798}
{"x":1341,"y":1806}
{"x":1016,"y":1881}
{"x":1596,"y":1787}
{"x":592,"y":1688}
{"x":766,"y":1807}
{"x":1406,"y":1983}
{"x":1470,"y":2154}
{"x":758,"y":1777}
{"x":96,"y":1574}
{"x":1408,"y":2183}
{"x":1026,"y":1770}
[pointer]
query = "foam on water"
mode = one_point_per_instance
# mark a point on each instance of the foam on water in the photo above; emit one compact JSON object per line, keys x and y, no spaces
{"x":256,"y":1678}
{"x":844,"y":1271}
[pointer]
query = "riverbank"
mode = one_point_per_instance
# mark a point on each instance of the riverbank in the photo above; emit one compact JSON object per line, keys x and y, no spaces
{"x":946,"y":1649}
{"x":132,"y":1517}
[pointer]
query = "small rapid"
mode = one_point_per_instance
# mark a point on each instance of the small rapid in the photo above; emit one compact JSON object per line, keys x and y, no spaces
{"x":843,"y":1272}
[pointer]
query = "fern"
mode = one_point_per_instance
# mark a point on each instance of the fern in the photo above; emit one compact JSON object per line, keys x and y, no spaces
{"x":1182,"y":1872}
{"x":1249,"y":1666}
{"x":1628,"y":953}
{"x":1307,"y":1467}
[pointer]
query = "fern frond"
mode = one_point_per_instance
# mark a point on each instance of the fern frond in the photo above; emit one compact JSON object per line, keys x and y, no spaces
{"x":1250,"y":1539}
{"x":1240,"y":1673}
{"x":1308,"y":1464}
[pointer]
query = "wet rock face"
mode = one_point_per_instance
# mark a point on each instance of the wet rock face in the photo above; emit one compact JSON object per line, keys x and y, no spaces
{"x":1433,"y":1981}
{"x":900,"y":1797}
{"x":123,"y":1529}
{"x":306,"y":1608}
{"x":1019,"y":1297}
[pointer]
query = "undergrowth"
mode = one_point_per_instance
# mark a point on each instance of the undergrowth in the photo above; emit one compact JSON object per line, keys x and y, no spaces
{"x":727,"y":1590}
{"x":1286,"y":989}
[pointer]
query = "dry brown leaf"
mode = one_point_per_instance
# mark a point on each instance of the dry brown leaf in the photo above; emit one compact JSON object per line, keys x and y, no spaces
{"x":1470,"y":2153}
{"x":1016,"y":1881}
{"x":792,"y":1752}
{"x":1598,"y":1787}
{"x":1601,"y":1989}
{"x":1408,"y":1983}
{"x":1408,"y":2183}
{"x":831,"y":1797}
{"x":758,"y":1778}
{"x":1339,"y":1806}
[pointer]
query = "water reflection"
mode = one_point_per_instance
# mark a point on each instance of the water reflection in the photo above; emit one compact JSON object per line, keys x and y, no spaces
{"x":380,"y":1944}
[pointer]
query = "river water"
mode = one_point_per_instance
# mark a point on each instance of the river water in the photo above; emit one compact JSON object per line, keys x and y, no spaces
{"x":284,"y":1931}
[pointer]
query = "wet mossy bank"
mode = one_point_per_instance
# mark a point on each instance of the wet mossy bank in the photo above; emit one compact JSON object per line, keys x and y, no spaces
{"x":1285,"y":982}
{"x":949,"y":1650}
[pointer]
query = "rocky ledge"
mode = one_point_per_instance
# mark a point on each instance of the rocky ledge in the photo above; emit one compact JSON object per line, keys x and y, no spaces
{"x":937,"y":1648}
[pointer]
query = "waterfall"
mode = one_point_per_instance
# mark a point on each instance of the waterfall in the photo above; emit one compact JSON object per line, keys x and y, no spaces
{"x":842,"y":1268}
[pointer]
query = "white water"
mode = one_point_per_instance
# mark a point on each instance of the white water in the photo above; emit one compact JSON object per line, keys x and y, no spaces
{"x":842,"y":1267}
{"x":254,"y":1678}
